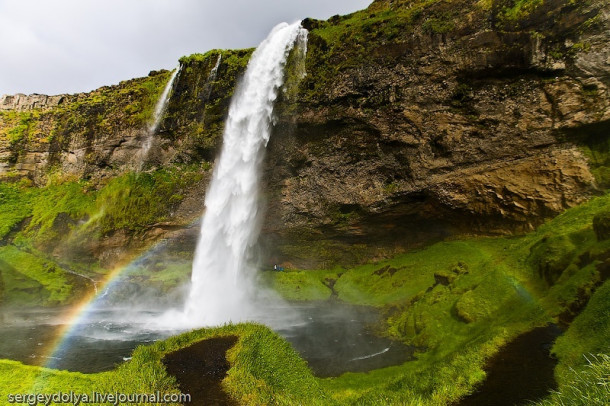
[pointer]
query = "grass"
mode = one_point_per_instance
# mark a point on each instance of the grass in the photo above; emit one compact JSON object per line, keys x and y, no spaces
{"x":588,"y":334}
{"x":264,"y":370}
{"x":585,"y":386}
{"x":460,"y":301}
{"x":35,"y":222}
{"x":135,"y":200}
{"x":57,"y":288}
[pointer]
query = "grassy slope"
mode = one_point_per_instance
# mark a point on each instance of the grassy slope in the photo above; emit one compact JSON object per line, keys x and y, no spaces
{"x":497,"y":290}
{"x":75,"y":213}
{"x":264,"y":370}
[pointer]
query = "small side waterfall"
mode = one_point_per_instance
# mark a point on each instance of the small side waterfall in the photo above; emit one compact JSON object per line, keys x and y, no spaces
{"x":163,"y":101}
{"x":157,"y":117}
{"x":222,"y":275}
{"x":212,"y":77}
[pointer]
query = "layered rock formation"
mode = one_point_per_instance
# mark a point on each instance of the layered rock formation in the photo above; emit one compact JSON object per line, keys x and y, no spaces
{"x":461,"y":122}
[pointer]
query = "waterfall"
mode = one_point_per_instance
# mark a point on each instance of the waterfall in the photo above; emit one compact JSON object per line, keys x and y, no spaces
{"x":157,"y":117}
{"x":162,"y":102}
{"x":212,"y":77}
{"x":222,"y":274}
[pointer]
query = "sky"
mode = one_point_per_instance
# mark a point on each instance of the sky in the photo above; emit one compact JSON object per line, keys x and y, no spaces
{"x":68,"y":46}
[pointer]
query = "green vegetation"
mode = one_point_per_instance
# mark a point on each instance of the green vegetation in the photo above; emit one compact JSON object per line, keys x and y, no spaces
{"x":587,"y":335}
{"x":136,"y":200}
{"x":585,"y":386}
{"x":264,"y":370}
{"x":102,"y":111}
{"x":15,"y":126}
{"x":301,"y":285}
{"x":200,"y":119}
{"x":53,"y":279}
{"x":68,"y":213}
{"x":14,"y":207}
{"x":519,"y":9}
{"x":460,"y":301}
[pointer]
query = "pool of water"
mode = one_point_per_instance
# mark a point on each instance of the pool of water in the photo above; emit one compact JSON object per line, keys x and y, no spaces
{"x":334,"y":338}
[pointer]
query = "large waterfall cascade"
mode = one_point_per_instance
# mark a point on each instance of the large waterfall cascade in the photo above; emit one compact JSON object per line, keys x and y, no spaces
{"x":222,"y":278}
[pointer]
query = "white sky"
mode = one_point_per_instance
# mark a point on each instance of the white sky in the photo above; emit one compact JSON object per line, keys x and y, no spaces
{"x":68,"y":46}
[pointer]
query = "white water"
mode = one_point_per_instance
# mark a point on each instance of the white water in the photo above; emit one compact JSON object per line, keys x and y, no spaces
{"x":221,"y":283}
{"x":162,"y":102}
{"x":214,"y":72}
{"x":157,"y":117}
{"x":371,"y":355}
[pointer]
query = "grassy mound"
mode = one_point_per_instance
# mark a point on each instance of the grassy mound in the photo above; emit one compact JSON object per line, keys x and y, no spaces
{"x":264,"y":370}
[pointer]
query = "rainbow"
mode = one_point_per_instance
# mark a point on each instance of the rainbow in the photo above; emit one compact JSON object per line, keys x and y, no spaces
{"x":79,"y":312}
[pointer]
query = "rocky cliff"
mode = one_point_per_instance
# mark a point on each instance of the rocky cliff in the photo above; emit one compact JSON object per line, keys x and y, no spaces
{"x":417,"y":120}
{"x":422,"y":120}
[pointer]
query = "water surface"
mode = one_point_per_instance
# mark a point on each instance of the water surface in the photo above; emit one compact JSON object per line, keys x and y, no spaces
{"x":334,"y":338}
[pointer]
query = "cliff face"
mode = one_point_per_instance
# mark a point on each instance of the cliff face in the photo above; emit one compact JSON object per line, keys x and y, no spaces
{"x":107,"y":132}
{"x":416,"y":121}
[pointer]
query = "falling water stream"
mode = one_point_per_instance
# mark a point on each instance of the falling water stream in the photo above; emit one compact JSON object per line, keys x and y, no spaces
{"x":222,"y":272}
{"x":157,"y":117}
{"x":163,"y":101}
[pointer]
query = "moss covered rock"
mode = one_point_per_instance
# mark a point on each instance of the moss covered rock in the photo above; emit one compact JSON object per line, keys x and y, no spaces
{"x":551,"y":256}
{"x":601,"y":225}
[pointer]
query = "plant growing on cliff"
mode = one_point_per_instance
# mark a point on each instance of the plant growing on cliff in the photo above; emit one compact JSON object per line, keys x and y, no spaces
{"x":515,"y":10}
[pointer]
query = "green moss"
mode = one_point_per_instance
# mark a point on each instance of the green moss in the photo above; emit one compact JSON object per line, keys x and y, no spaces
{"x":439,"y":25}
{"x":136,"y":200}
{"x":70,"y":200}
{"x":264,"y":369}
{"x":48,"y":274}
{"x":551,"y":255}
{"x":15,"y":206}
{"x":519,"y":9}
{"x":601,"y":225}
{"x":588,"y":333}
{"x":584,"y":377}
{"x":301,"y":285}
{"x":405,"y":276}
{"x":67,"y":213}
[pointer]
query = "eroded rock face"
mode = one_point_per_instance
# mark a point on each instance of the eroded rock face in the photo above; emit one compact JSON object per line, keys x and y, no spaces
{"x":22,"y":102}
{"x":441,"y":133}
